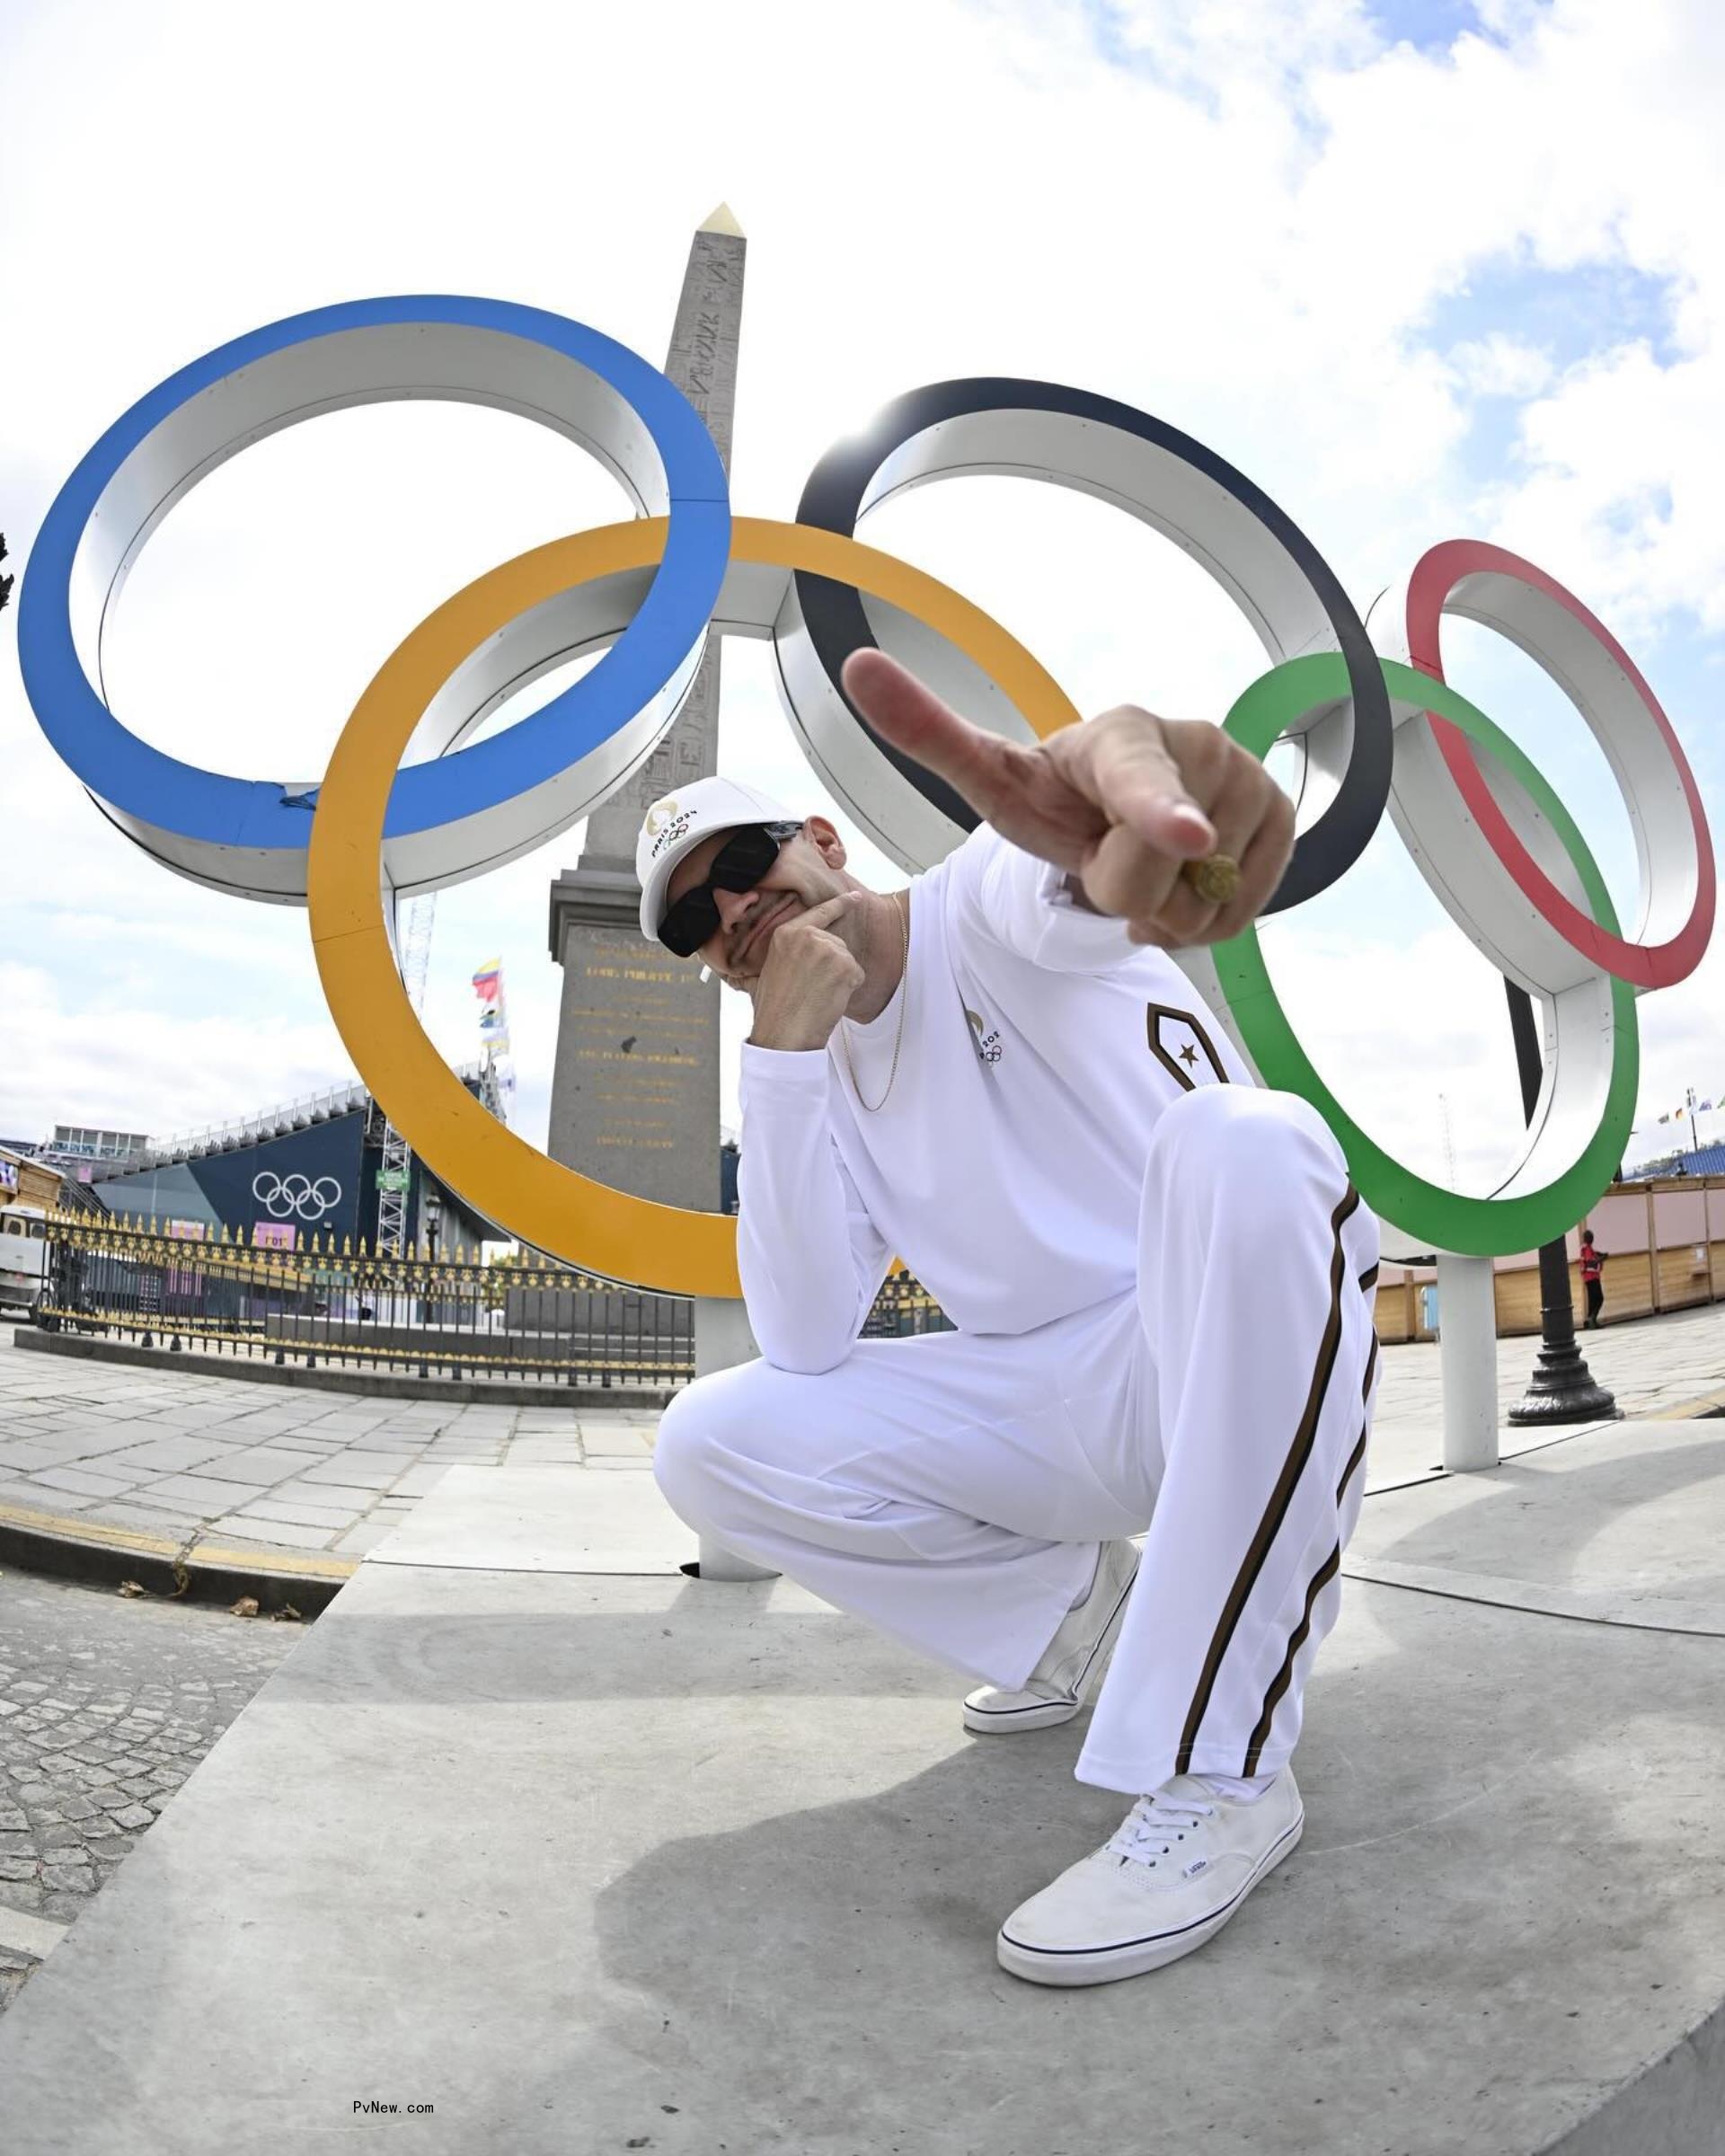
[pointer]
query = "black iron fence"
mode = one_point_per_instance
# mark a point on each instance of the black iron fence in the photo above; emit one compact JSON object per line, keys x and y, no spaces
{"x":903,"y":1307}
{"x":312,"y":1304}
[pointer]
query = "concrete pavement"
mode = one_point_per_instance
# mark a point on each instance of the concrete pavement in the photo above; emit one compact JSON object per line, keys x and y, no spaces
{"x":482,"y":1574}
{"x":534,"y":1842}
{"x":285,"y":1490}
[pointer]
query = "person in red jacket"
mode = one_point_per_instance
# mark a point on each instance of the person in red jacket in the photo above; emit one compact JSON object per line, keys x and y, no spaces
{"x":1591,"y":1261}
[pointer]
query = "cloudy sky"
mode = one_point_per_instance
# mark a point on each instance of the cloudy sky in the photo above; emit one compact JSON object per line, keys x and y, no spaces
{"x":1422,"y":269}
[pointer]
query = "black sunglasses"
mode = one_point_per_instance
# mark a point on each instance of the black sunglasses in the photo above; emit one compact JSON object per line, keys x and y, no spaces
{"x":738,"y":865}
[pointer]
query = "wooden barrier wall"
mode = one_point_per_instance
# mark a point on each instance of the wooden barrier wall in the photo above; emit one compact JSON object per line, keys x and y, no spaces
{"x":1652,"y":1233}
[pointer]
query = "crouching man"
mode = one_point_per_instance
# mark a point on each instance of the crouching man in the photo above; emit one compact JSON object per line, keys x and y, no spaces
{"x":1128,"y":1478}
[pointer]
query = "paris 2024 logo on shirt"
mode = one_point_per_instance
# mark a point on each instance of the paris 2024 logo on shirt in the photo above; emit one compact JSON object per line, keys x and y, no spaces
{"x":988,"y":1041}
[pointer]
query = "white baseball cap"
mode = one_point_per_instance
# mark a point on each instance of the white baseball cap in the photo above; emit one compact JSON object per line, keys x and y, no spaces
{"x":683,"y":819}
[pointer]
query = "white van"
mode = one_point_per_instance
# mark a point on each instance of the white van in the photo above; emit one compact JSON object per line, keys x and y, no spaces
{"x":23,"y":1255}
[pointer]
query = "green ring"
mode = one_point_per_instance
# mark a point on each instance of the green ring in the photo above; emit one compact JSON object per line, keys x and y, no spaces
{"x":1476,"y":1227}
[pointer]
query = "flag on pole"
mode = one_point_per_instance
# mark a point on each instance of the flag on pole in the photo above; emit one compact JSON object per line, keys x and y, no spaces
{"x":494,"y":1025}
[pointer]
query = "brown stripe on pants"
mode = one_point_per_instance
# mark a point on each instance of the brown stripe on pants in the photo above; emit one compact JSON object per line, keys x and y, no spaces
{"x":1325,"y":1573}
{"x":1281,"y":1497}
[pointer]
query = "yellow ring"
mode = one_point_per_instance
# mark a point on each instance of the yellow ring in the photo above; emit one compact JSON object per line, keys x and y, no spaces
{"x":667,"y":1248}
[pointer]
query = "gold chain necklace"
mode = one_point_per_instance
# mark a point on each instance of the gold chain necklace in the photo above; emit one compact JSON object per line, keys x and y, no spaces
{"x":873,"y":1106}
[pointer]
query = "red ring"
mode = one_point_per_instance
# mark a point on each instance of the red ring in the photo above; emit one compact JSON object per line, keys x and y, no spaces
{"x":1646,"y":964}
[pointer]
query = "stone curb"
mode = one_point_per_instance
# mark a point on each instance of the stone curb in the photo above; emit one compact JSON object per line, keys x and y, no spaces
{"x":174,"y":1571}
{"x":372,"y":1383}
{"x":1709,"y":1406}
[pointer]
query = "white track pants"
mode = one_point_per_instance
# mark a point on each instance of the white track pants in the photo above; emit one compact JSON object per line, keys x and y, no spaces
{"x":952,"y":1490}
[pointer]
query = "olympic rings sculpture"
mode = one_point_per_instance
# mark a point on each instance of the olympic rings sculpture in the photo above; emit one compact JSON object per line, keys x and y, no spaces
{"x":285,"y":1195}
{"x":1365,"y":701}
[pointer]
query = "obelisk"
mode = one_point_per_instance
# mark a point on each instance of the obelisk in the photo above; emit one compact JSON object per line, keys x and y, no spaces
{"x":634,"y":1091}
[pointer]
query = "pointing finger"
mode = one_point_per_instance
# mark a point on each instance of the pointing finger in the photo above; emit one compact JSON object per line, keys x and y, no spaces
{"x":913,"y":719}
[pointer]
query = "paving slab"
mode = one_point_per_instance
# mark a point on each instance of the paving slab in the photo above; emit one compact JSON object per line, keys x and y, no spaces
{"x":612,"y":1858}
{"x":1619,"y":1524}
{"x":65,"y":1424}
{"x":542,"y":1519}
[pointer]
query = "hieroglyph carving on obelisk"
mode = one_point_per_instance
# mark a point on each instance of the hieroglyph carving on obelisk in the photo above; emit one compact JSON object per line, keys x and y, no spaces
{"x":634,"y":1095}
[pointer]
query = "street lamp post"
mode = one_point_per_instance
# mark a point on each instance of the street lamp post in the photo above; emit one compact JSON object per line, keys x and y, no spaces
{"x":1561,"y":1389}
{"x":430,"y":1215}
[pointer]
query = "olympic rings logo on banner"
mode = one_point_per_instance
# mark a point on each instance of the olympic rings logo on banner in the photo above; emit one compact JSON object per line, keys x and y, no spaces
{"x":1365,"y":701}
{"x":285,"y":1195}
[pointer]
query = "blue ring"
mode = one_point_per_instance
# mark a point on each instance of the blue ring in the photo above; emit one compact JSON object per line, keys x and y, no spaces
{"x":191,"y":803}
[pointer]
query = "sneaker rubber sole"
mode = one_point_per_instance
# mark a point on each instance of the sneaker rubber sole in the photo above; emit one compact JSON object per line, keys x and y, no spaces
{"x":1006,"y":1721}
{"x":1136,"y":1957}
{"x":990,"y":1712}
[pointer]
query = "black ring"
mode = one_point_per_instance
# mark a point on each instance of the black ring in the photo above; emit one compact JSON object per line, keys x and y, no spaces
{"x":833,"y":498}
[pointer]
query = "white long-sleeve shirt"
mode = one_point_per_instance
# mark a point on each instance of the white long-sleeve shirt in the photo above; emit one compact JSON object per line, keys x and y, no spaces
{"x":1040,"y":1046}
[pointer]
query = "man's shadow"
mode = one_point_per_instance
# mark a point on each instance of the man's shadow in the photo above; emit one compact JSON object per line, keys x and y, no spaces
{"x":1583,"y":1525}
{"x":822,"y":1978}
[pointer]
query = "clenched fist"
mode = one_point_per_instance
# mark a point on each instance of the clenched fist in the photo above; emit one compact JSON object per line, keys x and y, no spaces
{"x":810,"y":974}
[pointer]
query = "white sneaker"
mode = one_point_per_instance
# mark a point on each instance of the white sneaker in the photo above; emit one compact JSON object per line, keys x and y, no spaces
{"x":1180,"y":1865}
{"x":1071,"y":1670}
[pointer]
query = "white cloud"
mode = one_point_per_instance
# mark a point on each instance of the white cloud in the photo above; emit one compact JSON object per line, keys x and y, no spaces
{"x":1226,"y":49}
{"x":129,"y":1066}
{"x":1509,"y":20}
{"x":1498,"y":365}
{"x":1621,"y":496}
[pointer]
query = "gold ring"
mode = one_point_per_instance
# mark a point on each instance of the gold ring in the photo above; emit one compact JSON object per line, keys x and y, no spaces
{"x":1215,"y":879}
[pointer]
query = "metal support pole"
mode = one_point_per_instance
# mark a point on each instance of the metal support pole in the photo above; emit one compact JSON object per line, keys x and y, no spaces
{"x":722,"y":1339}
{"x":1561,"y":1389}
{"x":1467,"y":1329}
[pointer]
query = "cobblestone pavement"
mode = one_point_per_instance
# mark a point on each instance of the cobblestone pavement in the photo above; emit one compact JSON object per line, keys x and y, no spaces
{"x":107,"y":1704}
